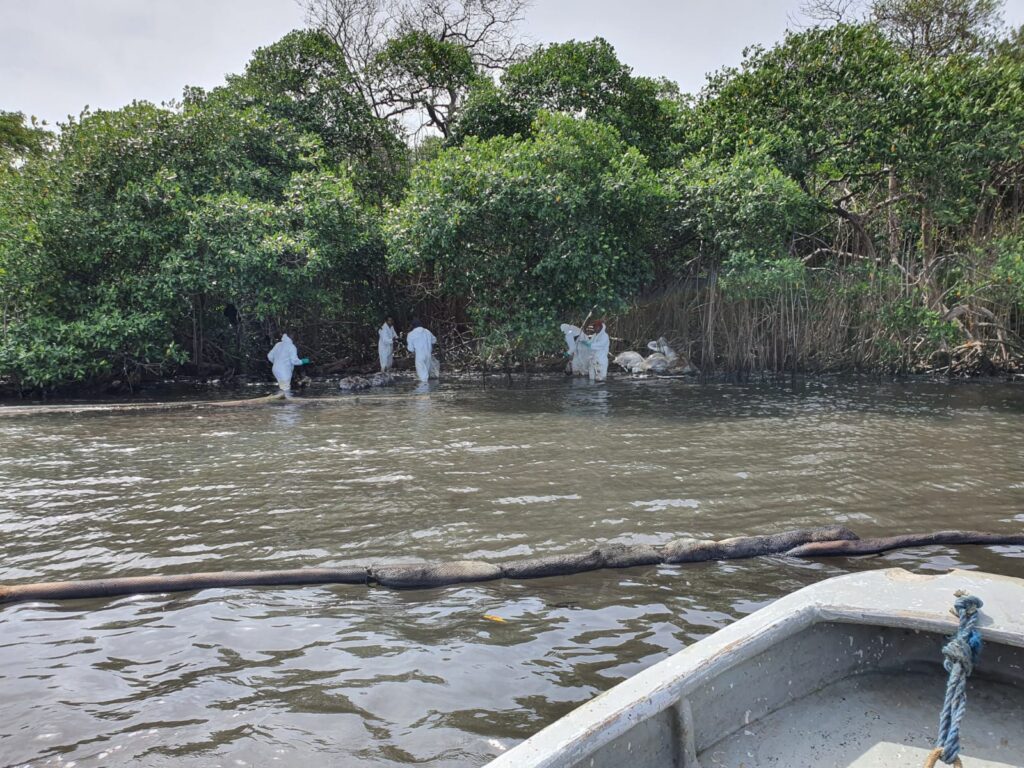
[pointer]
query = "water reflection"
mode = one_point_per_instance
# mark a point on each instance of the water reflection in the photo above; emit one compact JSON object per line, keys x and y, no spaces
{"x":287,"y":416}
{"x":348,"y":675}
{"x":586,"y":398}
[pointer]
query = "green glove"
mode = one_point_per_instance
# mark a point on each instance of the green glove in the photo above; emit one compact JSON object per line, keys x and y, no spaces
{"x":304,"y":361}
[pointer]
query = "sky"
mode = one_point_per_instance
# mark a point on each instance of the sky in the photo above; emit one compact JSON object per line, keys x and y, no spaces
{"x":57,"y":56}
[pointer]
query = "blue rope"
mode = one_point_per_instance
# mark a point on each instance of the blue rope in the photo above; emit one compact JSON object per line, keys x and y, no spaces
{"x":961,"y":654}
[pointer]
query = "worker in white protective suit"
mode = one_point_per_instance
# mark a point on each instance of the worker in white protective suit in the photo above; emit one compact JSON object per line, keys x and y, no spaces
{"x":386,"y":345}
{"x":582,"y":355}
{"x":571,"y":332}
{"x":284,"y":357}
{"x":421,"y":343}
{"x":597,"y":346}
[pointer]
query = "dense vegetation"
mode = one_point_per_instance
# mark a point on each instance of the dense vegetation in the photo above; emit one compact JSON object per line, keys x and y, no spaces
{"x":851,"y":198}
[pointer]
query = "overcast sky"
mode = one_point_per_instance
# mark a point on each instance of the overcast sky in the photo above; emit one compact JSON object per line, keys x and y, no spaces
{"x":56,"y":56}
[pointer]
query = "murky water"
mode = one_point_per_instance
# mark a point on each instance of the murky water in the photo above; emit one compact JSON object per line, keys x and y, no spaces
{"x":339,"y":676}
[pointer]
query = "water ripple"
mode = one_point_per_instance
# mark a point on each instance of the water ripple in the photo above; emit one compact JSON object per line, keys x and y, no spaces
{"x":341,"y":675}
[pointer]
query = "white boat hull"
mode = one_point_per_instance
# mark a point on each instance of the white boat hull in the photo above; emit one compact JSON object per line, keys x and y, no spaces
{"x":843,"y":673}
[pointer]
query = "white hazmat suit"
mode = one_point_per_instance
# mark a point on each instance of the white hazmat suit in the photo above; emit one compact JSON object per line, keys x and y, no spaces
{"x":597,"y":364}
{"x":571,"y":332}
{"x":582,"y":355}
{"x":284,"y":357}
{"x":386,"y":346}
{"x":421,"y":343}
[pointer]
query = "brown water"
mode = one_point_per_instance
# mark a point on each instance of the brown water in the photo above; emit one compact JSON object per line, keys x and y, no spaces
{"x":339,"y":676}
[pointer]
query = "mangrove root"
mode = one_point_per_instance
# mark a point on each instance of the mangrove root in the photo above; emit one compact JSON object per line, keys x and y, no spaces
{"x":814,"y":542}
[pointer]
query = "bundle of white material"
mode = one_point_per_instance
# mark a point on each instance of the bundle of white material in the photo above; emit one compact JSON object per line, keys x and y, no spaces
{"x":656,"y":363}
{"x":661,"y":346}
{"x":579,"y":355}
{"x":629,"y":361}
{"x":661,"y":360}
{"x":570,"y":332}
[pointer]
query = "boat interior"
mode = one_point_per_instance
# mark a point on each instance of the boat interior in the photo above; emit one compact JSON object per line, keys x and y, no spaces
{"x":833,"y":695}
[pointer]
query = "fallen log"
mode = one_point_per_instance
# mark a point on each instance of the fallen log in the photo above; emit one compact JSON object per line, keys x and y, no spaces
{"x":814,"y":542}
{"x":906,"y":541}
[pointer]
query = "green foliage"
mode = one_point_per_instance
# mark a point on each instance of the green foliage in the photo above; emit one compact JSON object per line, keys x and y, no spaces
{"x":1006,"y":287}
{"x":153,"y":232}
{"x":744,"y":276}
{"x":939,"y":27}
{"x":840,"y":109}
{"x":911,"y":333}
{"x":103,"y":342}
{"x":20,"y":138}
{"x":742,"y":205}
{"x":412,"y":59}
{"x":582,"y":79}
{"x":417,"y":71}
{"x":872,"y":152}
{"x":529,"y":230}
{"x":965,"y":126}
{"x":1011,"y":46}
{"x":424,"y":63}
{"x":857,"y":195}
{"x":267,"y":258}
{"x":303,"y":81}
{"x":823,"y":97}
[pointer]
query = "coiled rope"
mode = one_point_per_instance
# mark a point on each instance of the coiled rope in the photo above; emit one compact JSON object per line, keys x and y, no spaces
{"x":961,"y":654}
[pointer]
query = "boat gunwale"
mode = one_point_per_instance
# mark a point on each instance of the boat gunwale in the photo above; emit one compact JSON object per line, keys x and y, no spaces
{"x":843,"y":599}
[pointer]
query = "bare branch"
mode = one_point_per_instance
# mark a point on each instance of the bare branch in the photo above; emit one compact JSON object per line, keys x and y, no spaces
{"x":487,"y":29}
{"x":939,"y":27}
{"x":832,"y":11}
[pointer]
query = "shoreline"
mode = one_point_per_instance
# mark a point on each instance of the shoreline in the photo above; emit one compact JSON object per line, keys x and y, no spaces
{"x":186,"y":394}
